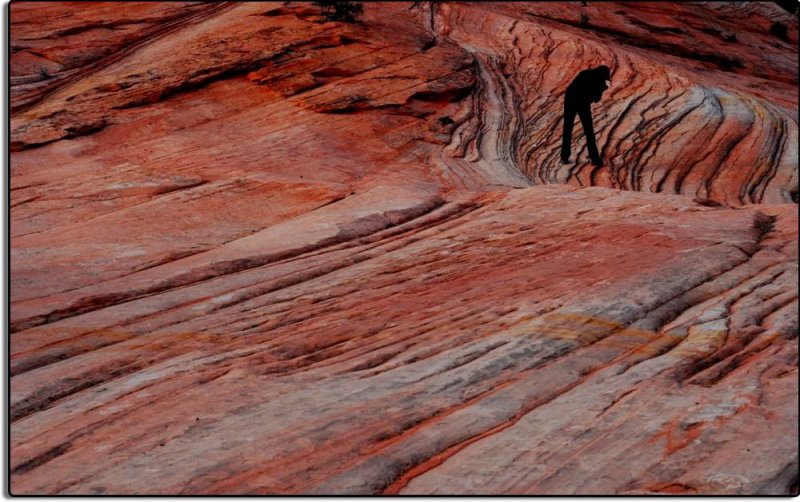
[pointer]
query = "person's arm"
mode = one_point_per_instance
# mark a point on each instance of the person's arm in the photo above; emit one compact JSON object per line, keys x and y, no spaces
{"x":598,"y":89}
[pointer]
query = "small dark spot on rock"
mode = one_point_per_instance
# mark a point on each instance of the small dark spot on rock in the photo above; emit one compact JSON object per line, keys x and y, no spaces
{"x":274,"y":12}
{"x":428,"y":45}
{"x":780,"y":30}
{"x":706,"y":202}
{"x":764,"y":224}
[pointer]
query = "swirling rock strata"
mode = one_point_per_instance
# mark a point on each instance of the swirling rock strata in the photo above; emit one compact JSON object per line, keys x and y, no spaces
{"x":684,"y":121}
{"x":254,"y":252}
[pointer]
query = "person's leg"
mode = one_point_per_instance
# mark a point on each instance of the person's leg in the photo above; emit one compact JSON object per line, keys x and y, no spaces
{"x":585,"y":113}
{"x":569,"y":122}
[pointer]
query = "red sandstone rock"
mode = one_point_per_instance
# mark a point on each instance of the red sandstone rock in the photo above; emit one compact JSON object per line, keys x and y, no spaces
{"x":254,"y":252}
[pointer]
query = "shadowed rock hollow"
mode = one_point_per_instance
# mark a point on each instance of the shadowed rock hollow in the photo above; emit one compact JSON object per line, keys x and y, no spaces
{"x":255,"y":252}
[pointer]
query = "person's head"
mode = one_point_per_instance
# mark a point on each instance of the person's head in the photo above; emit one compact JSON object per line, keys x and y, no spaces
{"x":604,"y":71}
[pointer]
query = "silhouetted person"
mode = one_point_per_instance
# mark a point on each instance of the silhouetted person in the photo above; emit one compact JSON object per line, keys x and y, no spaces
{"x":587,"y":88}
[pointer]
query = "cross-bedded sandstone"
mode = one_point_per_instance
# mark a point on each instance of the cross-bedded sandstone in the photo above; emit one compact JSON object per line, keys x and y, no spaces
{"x":254,"y":252}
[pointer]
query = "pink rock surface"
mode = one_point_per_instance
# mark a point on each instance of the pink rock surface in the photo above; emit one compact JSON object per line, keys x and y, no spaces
{"x":254,"y":252}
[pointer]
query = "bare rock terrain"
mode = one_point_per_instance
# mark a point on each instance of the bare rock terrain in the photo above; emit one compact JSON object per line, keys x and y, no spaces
{"x":254,"y":252}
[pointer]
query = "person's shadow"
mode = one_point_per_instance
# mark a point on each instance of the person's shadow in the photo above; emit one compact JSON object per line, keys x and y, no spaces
{"x":585,"y":89}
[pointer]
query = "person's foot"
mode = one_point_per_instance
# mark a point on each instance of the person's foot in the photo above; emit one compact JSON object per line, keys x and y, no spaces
{"x":565,"y":160}
{"x":598,"y":162}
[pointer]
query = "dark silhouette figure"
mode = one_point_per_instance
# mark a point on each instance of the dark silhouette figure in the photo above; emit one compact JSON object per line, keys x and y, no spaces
{"x":587,"y":88}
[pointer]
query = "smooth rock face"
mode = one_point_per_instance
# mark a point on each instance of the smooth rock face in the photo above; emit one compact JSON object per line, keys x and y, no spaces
{"x":257,"y":253}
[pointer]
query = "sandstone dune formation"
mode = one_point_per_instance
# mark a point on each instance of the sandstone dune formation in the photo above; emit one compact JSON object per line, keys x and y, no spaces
{"x":254,"y":252}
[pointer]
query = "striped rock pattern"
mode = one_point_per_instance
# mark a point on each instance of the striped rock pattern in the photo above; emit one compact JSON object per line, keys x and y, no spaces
{"x":254,"y":252}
